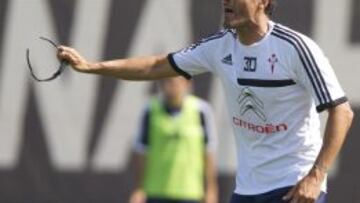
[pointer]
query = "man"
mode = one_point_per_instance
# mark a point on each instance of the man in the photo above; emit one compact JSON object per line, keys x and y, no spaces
{"x":275,"y":79}
{"x":175,"y":148}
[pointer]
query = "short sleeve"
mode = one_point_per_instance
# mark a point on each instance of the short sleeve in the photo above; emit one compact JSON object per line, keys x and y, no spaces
{"x":142,"y":135}
{"x":315,"y":73}
{"x":196,"y":59}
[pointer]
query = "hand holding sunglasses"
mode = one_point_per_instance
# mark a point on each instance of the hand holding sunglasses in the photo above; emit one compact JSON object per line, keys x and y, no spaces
{"x":73,"y":58}
{"x":66,"y":56}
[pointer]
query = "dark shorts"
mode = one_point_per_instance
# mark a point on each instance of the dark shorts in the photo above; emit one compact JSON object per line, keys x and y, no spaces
{"x":274,"y":196}
{"x":163,"y":200}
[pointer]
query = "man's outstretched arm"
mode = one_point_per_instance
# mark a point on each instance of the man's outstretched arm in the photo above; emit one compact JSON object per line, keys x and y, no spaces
{"x":141,"y":68}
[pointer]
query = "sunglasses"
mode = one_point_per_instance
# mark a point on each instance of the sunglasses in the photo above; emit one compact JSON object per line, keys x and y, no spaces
{"x":60,"y":69}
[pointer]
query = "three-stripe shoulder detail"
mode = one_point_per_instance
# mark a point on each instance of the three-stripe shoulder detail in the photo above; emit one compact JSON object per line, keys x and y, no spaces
{"x":308,"y":61}
{"x":215,"y":36}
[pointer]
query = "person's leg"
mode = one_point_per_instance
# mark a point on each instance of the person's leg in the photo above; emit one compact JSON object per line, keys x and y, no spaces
{"x":157,"y":200}
{"x":274,"y":196}
{"x":164,"y":200}
{"x":185,"y":201}
{"x":236,"y":198}
{"x":277,"y":195}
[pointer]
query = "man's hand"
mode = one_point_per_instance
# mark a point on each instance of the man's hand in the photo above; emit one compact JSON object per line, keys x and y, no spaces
{"x":211,"y":197}
{"x":138,"y":196}
{"x":74,"y":59}
{"x":308,"y":189}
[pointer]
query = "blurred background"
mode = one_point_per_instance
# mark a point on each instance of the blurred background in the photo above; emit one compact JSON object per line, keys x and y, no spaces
{"x":70,"y":141}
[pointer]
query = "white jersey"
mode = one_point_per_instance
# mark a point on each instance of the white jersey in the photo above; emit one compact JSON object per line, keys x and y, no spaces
{"x":274,"y":90}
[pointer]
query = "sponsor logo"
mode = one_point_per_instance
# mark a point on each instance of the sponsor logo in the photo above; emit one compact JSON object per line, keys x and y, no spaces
{"x":227,"y":60}
{"x":249,"y":102}
{"x":261,"y":129}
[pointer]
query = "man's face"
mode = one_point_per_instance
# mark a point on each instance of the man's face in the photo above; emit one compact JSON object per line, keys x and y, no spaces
{"x":238,"y":13}
{"x":174,"y":88}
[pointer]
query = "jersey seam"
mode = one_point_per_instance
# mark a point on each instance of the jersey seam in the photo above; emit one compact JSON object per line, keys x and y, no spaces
{"x":331,"y":104}
{"x":177,"y":68}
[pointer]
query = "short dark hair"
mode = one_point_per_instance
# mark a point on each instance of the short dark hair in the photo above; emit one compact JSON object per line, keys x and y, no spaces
{"x":270,"y":7}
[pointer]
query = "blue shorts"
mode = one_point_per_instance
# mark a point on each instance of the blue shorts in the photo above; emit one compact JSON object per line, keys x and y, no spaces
{"x":164,"y":200}
{"x":274,"y":196}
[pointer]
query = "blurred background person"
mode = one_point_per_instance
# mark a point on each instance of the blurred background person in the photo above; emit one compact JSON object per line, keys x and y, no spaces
{"x":175,"y":148}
